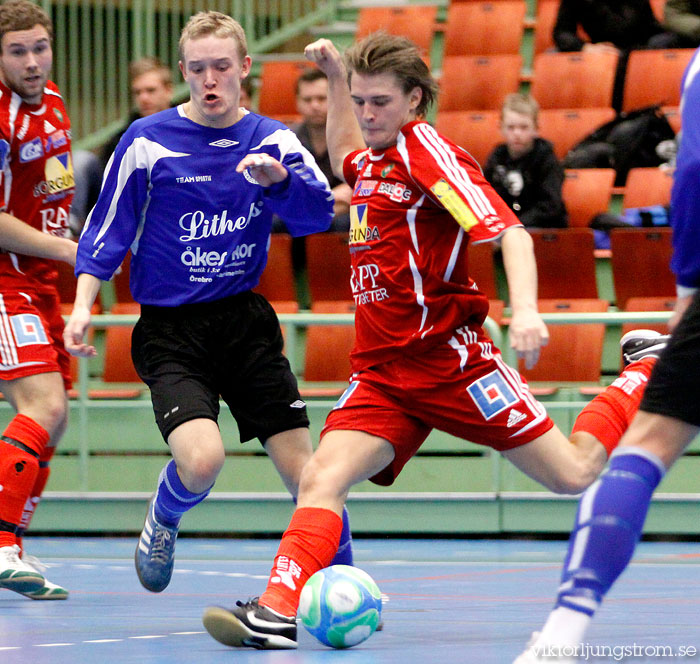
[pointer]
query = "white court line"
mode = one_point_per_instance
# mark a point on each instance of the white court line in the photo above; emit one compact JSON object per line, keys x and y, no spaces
{"x":103,"y":641}
{"x":52,"y":645}
{"x":149,"y":636}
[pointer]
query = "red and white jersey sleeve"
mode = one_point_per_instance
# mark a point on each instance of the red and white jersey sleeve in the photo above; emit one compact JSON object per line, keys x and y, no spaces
{"x":36,"y":179}
{"x":415,"y":208}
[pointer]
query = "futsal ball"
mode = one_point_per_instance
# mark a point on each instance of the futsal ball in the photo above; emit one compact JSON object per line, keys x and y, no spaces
{"x":341,"y":606}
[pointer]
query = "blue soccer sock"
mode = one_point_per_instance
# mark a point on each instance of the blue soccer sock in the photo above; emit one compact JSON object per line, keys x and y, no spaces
{"x":343,"y":556}
{"x":609,"y":523}
{"x":173,"y":499}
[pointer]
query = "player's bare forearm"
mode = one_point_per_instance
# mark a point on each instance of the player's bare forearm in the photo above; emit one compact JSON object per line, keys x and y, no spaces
{"x":527,"y":330}
{"x":343,"y":133}
{"x":74,"y":333}
{"x":21,"y":238}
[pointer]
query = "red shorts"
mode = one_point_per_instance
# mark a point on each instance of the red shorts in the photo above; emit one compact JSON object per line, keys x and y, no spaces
{"x":31,"y":336}
{"x":462,"y":387}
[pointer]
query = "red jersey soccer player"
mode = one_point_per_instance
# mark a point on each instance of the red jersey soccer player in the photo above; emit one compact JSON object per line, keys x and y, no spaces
{"x":422,"y":359}
{"x":36,"y":188}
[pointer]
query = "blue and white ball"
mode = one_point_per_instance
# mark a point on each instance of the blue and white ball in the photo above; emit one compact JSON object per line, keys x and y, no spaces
{"x":341,"y":606}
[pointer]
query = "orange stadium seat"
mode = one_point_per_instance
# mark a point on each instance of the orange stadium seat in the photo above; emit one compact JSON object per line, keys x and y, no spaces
{"x":648,"y":304}
{"x":478,"y":132}
{"x":277,"y":280}
{"x":328,"y":266}
{"x":587,"y":192}
{"x":478,"y":82}
{"x":545,"y":19}
{"x":120,"y":281}
{"x":574,"y":80}
{"x":574,"y":351}
{"x":657,"y":6}
{"x":277,"y":96}
{"x":565,"y":263}
{"x":417,"y":22}
{"x":640,"y":260}
{"x":327,"y":357}
{"x":565,"y":127}
{"x":647,"y":186}
{"x":484,"y":20}
{"x":481,"y":269}
{"x":654,"y":77}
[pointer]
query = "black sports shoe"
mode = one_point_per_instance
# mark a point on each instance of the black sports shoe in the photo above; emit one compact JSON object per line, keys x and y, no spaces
{"x":638,"y":344}
{"x":251,"y":625}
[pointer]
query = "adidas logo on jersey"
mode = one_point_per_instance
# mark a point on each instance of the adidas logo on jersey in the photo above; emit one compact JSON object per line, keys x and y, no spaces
{"x":514,"y":417}
{"x":48,"y":127}
{"x":223,"y":143}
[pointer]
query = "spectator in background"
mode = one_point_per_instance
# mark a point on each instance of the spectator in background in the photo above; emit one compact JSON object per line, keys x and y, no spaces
{"x":524,"y":170}
{"x":312,"y":104}
{"x":620,"y":26}
{"x":247,"y":91}
{"x":152,"y":91}
{"x":682,"y":18}
{"x":151,"y":85}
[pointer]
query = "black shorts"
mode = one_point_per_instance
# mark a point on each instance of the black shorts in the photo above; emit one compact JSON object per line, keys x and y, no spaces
{"x":191,"y":355}
{"x":674,"y":385}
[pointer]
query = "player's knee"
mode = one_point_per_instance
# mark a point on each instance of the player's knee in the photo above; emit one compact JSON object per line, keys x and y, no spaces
{"x":201,"y":468}
{"x":51,"y":412}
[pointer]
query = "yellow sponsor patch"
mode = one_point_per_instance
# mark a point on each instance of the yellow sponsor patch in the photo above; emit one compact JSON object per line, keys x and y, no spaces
{"x":59,"y":173}
{"x":454,"y":204}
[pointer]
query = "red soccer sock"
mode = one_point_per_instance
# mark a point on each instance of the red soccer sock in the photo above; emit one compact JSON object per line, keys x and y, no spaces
{"x":308,"y":545}
{"x":30,"y":506}
{"x":610,"y":413}
{"x":21,"y":446}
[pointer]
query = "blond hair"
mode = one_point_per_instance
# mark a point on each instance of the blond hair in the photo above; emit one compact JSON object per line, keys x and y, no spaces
{"x":220,"y":25}
{"x":521,"y":103}
{"x":381,"y":53}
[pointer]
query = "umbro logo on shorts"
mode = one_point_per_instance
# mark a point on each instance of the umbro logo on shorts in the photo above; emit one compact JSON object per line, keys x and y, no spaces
{"x":223,"y":143}
{"x":298,"y":404}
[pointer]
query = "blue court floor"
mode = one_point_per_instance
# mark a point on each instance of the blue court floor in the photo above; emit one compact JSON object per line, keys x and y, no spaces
{"x":466,"y":601}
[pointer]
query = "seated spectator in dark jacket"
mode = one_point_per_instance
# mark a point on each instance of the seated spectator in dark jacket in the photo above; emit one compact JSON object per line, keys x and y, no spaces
{"x":682,"y":18}
{"x":524,"y":170}
{"x":617,"y":25}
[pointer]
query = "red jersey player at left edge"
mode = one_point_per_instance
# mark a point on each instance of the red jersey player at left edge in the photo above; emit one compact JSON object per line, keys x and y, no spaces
{"x":36,"y":189}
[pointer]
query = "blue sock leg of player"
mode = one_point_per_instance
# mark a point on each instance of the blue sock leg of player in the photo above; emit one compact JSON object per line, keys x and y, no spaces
{"x":344,"y":553}
{"x":609,"y":523}
{"x":173,"y":498}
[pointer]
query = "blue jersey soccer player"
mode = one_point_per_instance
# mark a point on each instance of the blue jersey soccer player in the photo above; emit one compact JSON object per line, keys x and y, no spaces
{"x":612,"y":511}
{"x":192,"y":190}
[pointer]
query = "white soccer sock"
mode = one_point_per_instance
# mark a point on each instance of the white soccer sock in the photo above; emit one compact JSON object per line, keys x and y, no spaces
{"x":564,"y":627}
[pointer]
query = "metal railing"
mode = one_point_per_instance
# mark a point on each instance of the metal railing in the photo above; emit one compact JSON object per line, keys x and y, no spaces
{"x":294,"y":323}
{"x":94,"y":41}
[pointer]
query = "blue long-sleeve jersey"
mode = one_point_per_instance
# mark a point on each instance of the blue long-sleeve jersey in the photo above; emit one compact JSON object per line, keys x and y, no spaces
{"x":198,"y":230}
{"x":685,"y":196}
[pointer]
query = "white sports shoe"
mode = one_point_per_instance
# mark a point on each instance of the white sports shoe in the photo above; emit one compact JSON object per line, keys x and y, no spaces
{"x":48,"y":590}
{"x":17,"y":575}
{"x":541,"y":654}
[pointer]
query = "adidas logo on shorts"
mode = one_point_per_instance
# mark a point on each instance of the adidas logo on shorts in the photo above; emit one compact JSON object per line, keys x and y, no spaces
{"x":514,"y":417}
{"x":298,"y":404}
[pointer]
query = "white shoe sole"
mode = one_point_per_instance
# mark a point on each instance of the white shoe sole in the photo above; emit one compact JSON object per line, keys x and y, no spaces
{"x":223,"y":626}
